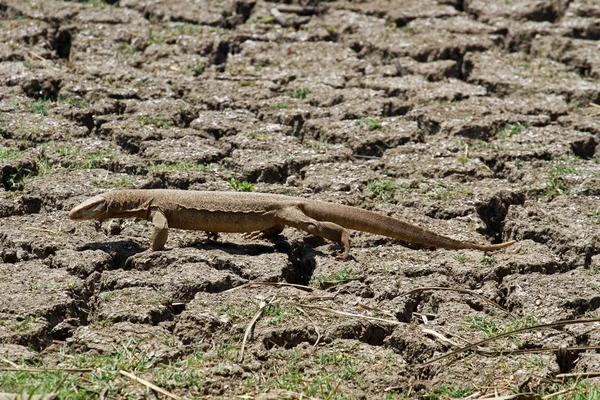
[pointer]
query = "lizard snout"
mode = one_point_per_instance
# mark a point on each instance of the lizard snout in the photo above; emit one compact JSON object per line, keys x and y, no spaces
{"x":89,"y":209}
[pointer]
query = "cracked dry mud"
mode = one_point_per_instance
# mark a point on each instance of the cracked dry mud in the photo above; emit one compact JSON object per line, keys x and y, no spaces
{"x":471,"y":118}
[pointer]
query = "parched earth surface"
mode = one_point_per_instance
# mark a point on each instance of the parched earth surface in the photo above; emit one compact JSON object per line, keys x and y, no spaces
{"x":476,"y":119}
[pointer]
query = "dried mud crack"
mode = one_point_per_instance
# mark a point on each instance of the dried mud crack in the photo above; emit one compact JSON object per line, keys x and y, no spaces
{"x":479,"y":120}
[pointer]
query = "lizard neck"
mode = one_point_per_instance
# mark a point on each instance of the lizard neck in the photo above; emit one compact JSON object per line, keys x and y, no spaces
{"x":129,"y":204}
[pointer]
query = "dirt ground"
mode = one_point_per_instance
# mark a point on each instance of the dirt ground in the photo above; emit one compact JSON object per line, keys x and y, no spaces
{"x":476,"y":119}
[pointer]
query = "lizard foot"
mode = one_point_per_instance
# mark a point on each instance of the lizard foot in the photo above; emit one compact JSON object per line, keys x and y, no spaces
{"x":253,"y":235}
{"x":131,"y":259}
{"x":212,"y":235}
{"x":340,"y":255}
{"x":265,"y":233}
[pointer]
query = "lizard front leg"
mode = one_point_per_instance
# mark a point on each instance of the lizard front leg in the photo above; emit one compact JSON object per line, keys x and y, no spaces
{"x":294,"y":217}
{"x":159,"y":236}
{"x":160,"y":232}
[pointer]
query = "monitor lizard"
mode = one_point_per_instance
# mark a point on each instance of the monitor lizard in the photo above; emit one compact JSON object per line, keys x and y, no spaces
{"x":263,"y":215}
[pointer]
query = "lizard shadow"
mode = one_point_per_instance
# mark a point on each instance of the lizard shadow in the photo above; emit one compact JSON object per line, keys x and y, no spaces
{"x":379,"y":242}
{"x":301,"y":254}
{"x":119,"y":250}
{"x":277,"y":244}
{"x":233,"y":248}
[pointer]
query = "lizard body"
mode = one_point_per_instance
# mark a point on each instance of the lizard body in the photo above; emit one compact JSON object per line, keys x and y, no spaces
{"x":252,"y":212}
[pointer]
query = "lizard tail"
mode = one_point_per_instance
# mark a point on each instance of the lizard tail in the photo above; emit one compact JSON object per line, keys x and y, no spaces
{"x":368,"y":221}
{"x":492,"y":247}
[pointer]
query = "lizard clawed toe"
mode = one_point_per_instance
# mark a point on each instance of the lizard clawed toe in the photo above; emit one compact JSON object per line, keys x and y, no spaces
{"x":340,"y":257}
{"x":253,"y":235}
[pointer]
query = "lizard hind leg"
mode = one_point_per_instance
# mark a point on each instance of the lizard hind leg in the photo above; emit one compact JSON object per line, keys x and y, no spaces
{"x":294,"y":217}
{"x":341,"y":235}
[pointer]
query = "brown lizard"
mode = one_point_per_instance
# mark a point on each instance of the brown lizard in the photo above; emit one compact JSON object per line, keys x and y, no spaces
{"x":264,"y":214}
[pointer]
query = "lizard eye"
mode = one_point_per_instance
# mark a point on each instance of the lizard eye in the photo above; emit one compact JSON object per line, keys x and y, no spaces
{"x":100,"y":207}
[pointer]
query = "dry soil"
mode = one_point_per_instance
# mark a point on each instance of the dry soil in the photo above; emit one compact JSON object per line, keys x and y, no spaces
{"x":472,"y":118}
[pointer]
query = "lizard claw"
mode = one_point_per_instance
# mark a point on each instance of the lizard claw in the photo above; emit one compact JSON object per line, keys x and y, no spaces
{"x":339,"y":256}
{"x":253,"y":235}
{"x":268,"y":233}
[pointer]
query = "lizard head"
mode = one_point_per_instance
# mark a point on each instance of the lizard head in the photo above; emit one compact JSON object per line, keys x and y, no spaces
{"x":93,"y":208}
{"x":114,"y":204}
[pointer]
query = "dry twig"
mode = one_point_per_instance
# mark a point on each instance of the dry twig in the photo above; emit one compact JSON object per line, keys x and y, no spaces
{"x":560,"y":392}
{"x":516,"y":331}
{"x":261,"y":308}
{"x":252,"y":283}
{"x":347,"y":314}
{"x":57,"y":388}
{"x":12,"y":364}
{"x":578,"y":375}
{"x":314,"y":326}
{"x":149,"y":384}
{"x":379,"y":310}
{"x":33,"y":228}
{"x":334,"y":390}
{"x":440,"y":337}
{"x":538,"y":350}
{"x":26,"y":369}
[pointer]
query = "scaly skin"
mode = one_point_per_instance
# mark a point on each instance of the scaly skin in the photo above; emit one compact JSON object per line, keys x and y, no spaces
{"x":267,"y":214}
